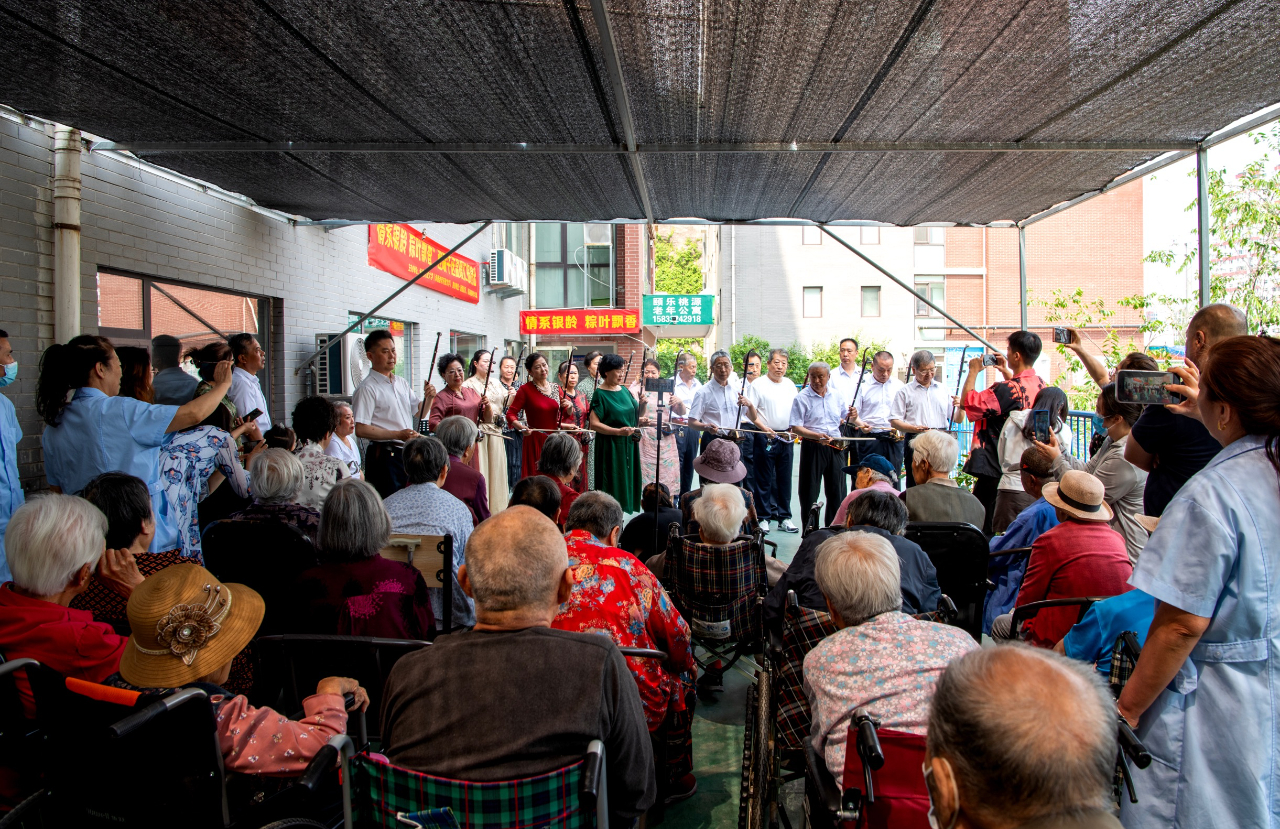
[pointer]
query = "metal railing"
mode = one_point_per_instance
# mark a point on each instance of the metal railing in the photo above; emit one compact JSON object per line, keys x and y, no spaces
{"x":1080,"y":423}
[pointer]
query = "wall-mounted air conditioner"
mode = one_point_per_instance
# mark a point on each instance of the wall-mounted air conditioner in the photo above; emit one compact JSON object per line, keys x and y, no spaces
{"x":342,"y":365}
{"x":597,"y":235}
{"x":508,"y":274}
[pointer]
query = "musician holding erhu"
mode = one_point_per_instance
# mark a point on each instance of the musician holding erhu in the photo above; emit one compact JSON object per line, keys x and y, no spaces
{"x":716,"y":406}
{"x":615,"y":419}
{"x":573,"y":415}
{"x":816,"y":415}
{"x":649,"y":437}
{"x":921,"y":405}
{"x":491,"y":453}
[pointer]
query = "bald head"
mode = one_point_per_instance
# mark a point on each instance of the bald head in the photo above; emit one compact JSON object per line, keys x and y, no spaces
{"x":1212,"y":324}
{"x":1053,"y":751}
{"x":516,"y":561}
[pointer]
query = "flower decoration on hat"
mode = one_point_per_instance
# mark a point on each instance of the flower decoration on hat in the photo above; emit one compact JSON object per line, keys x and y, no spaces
{"x":187,"y":628}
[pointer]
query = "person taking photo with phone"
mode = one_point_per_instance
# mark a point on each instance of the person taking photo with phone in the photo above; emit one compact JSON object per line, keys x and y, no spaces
{"x":1045,"y":420}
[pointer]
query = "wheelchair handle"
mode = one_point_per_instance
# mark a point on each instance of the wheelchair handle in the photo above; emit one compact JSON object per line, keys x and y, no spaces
{"x":868,"y":742}
{"x":326,"y":758}
{"x":17,"y":665}
{"x":643,"y":653}
{"x":1132,"y":746}
{"x":133,"y":722}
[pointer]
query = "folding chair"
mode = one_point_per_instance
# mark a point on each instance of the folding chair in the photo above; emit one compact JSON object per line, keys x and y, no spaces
{"x":376,"y":793}
{"x":882,"y":784}
{"x":289,"y":666}
{"x":719,"y":589}
{"x":264,"y":555}
{"x":959,"y":553}
{"x":438,"y":573}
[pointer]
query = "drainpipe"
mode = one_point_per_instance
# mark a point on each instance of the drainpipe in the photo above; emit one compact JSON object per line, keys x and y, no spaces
{"x":733,"y":282}
{"x":66,"y":234}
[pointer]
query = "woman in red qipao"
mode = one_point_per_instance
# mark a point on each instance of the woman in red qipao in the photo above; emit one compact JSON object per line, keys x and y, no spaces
{"x":539,"y":399}
{"x":574,"y":416}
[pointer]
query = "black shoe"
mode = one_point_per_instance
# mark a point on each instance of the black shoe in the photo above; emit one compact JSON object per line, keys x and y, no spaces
{"x":682,"y":789}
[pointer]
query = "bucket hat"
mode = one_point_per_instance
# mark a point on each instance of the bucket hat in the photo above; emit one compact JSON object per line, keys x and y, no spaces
{"x":720,"y":463}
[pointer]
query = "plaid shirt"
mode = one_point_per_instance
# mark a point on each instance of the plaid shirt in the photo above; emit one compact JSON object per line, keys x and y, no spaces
{"x":717,"y":583}
{"x":614,"y":594}
{"x":803,"y":630}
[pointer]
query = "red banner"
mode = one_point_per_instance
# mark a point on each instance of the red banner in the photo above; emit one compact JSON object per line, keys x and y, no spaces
{"x":404,"y":252}
{"x":581,"y":321}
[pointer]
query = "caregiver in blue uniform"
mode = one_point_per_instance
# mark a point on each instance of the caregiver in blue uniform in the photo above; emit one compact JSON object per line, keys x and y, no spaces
{"x":1204,"y":693}
{"x":91,"y":431}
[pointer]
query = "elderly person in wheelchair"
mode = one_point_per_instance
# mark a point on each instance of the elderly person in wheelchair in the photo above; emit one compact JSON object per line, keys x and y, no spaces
{"x":880,"y":659}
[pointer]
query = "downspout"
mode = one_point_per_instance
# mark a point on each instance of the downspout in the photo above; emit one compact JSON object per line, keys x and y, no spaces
{"x":984,"y":277}
{"x":733,"y":282}
{"x":66,"y":233}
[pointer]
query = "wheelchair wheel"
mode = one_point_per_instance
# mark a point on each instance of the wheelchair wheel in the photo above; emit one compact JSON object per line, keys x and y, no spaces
{"x":27,"y":814}
{"x":755,"y":799}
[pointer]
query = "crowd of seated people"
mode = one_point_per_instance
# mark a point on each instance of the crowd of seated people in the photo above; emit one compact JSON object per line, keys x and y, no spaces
{"x":539,"y":492}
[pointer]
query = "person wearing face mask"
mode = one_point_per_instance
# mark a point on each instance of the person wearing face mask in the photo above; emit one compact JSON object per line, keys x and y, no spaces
{"x":1046,"y":762}
{"x":10,"y":433}
{"x":921,"y":405}
{"x":91,"y":430}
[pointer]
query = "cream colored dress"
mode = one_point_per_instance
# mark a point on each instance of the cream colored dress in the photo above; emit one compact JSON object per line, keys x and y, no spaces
{"x":492,"y":451}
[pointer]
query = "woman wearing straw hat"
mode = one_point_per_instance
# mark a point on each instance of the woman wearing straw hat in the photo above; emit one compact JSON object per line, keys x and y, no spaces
{"x":187,"y":627}
{"x":1082,"y":556}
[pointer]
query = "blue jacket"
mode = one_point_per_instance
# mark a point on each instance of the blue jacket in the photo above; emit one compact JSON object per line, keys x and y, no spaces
{"x":1006,"y":572}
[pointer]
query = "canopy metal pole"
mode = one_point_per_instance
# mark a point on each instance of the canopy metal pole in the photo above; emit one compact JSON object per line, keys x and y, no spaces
{"x":1022,"y":273}
{"x":907,"y":287}
{"x":1202,"y":221}
{"x":397,"y":292}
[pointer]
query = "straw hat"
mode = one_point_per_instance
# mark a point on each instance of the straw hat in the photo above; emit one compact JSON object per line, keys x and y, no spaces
{"x":186,"y":625}
{"x":720,"y":462}
{"x":1079,"y":494}
{"x":1147,"y":522}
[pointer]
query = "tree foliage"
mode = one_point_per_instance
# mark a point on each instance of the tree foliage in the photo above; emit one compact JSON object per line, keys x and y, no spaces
{"x":677,"y":270}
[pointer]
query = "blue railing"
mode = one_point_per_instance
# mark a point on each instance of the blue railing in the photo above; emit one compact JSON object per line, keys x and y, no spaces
{"x":1080,"y":423}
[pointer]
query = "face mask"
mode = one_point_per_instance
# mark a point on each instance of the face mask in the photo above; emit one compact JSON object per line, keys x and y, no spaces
{"x":927,"y":769}
{"x":10,"y":374}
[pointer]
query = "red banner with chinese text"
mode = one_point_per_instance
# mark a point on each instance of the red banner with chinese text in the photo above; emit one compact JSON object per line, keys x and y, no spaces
{"x":404,"y":252}
{"x":581,"y":321}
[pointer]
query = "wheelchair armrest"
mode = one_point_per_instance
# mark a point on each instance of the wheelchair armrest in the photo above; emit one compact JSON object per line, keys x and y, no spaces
{"x":323,"y":763}
{"x":1132,"y":746}
{"x":593,"y":772}
{"x":1012,"y":551}
{"x":644,"y":653}
{"x":17,"y":665}
{"x":133,"y":722}
{"x":822,"y":781}
{"x":1030,"y":609}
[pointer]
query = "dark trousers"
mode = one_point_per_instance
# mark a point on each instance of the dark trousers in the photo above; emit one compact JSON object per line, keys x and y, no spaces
{"x":886,"y":447}
{"x":384,"y":468}
{"x":985,"y":489}
{"x":687,"y":444}
{"x":909,"y":455}
{"x":773,"y":463}
{"x":747,"y":451}
{"x":821,"y":466}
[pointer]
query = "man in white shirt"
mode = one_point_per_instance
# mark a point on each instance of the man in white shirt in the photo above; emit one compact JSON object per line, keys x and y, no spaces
{"x":871,"y":410}
{"x":816,"y":415}
{"x":772,"y":396}
{"x":844,"y":381}
{"x":386,"y":413}
{"x":921,"y":405}
{"x":714,"y":410}
{"x":746,"y":421}
{"x":246,"y":391}
{"x":686,"y":386}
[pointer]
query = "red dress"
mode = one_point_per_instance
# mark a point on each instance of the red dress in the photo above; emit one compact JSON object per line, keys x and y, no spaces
{"x":447,"y":404}
{"x":578,"y":417}
{"x":542,"y":411}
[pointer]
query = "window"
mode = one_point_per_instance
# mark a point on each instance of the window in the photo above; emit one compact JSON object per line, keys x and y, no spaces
{"x":133,"y":309}
{"x":870,"y":235}
{"x":401,"y":331}
{"x":811,"y":235}
{"x":934,"y":335}
{"x":870,"y":300}
{"x":569,"y":273}
{"x":813,"y":302}
{"x":933,"y":288}
{"x":514,"y":236}
{"x":465,"y":344}
{"x":931,"y":235}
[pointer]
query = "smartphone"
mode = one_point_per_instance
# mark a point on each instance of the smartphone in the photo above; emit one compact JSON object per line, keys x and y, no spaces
{"x":1062,"y":335}
{"x":1146,"y":388}
{"x":253,"y":415}
{"x":1040,"y":425}
{"x":988,"y":359}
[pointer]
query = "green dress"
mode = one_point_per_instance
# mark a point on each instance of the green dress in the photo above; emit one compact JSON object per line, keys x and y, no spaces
{"x":618,"y":458}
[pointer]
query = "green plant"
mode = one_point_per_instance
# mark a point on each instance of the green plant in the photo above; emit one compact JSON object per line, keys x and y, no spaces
{"x":750,"y":342}
{"x":1090,"y":317}
{"x":677,"y":270}
{"x":669,"y":348}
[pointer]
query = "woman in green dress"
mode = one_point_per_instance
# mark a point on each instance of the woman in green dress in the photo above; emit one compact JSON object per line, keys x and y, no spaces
{"x":615,"y":418}
{"x":587,"y":385}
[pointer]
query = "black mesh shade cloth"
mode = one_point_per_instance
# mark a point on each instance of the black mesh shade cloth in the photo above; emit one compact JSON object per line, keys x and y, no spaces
{"x":703,"y":81}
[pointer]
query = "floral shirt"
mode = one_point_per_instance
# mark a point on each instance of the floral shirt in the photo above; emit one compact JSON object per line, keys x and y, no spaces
{"x":615,"y":595}
{"x":187,"y":460}
{"x":319,"y":473}
{"x":306,"y":519}
{"x":888,"y":664}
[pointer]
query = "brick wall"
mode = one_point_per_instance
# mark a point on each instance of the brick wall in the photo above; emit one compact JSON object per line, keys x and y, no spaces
{"x":137,"y":221}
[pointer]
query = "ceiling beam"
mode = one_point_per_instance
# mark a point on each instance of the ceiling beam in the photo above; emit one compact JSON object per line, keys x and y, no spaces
{"x":621,"y":100}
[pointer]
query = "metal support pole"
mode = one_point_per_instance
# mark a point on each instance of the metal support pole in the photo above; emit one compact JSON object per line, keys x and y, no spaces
{"x":397,"y":292}
{"x":1022,"y":274}
{"x":907,"y":287}
{"x":66,"y":234}
{"x":1202,"y":221}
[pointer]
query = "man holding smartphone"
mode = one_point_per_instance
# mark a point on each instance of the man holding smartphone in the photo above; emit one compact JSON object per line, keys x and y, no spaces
{"x":989,"y":409}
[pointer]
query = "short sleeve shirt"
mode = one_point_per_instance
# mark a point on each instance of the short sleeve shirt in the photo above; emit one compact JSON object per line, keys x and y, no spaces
{"x":246,"y":393}
{"x":821,"y":414}
{"x":922,"y":405}
{"x":384,"y":402}
{"x":715,"y":405}
{"x":875,"y":399}
{"x":773,"y":401}
{"x":1183,"y":445}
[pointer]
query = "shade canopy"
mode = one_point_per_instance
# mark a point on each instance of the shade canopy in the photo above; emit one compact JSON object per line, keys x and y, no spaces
{"x":576,"y":110}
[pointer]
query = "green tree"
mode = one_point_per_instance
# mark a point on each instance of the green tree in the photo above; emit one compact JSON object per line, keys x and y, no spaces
{"x":1244,"y":241}
{"x":669,"y":348}
{"x":677,"y":270}
{"x":750,"y":342}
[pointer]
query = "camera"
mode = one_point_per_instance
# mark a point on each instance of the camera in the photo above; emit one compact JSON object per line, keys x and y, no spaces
{"x":1062,"y":335}
{"x":988,"y":359}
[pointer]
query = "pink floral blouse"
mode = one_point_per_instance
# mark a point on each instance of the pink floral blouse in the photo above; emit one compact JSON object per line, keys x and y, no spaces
{"x":261,"y":741}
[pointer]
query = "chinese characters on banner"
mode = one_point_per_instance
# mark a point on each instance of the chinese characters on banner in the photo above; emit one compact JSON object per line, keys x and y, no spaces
{"x":678,"y":309}
{"x":404,"y":252}
{"x":581,"y":321}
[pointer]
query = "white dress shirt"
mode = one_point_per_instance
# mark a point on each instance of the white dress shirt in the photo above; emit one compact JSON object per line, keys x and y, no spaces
{"x":385,"y":402}
{"x":246,"y":393}
{"x":875,"y":399}
{"x":715,"y":405}
{"x":773,"y":401}
{"x":922,"y":405}
{"x":685,"y":391}
{"x":818,"y":414}
{"x":845,"y":382}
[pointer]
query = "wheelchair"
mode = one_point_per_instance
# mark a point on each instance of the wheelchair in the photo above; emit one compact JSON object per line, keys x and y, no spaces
{"x":719,"y":590}
{"x":960,"y":554}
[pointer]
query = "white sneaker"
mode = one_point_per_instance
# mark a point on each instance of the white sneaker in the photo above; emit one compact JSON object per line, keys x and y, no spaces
{"x":788,"y":527}
{"x":764,"y":527}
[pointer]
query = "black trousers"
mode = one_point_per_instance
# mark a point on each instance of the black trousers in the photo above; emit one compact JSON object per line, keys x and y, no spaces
{"x":985,"y":489}
{"x":687,"y":444}
{"x":821,"y":466}
{"x":886,"y":447}
{"x":384,"y":468}
{"x":773,"y":461}
{"x":908,"y":455}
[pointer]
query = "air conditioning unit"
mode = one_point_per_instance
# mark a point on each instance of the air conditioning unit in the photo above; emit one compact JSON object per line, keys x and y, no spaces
{"x":508,"y":274}
{"x":342,"y":364}
{"x":597,"y":235}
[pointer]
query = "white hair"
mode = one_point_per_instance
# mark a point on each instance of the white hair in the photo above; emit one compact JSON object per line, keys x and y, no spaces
{"x":276,"y":476}
{"x":720,"y":511}
{"x":342,"y":404}
{"x":458,"y":434}
{"x":859,"y":575}
{"x":938,"y":448}
{"x":50,"y":538}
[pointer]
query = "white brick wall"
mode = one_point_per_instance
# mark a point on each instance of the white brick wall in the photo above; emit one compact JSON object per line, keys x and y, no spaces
{"x":135,"y":220}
